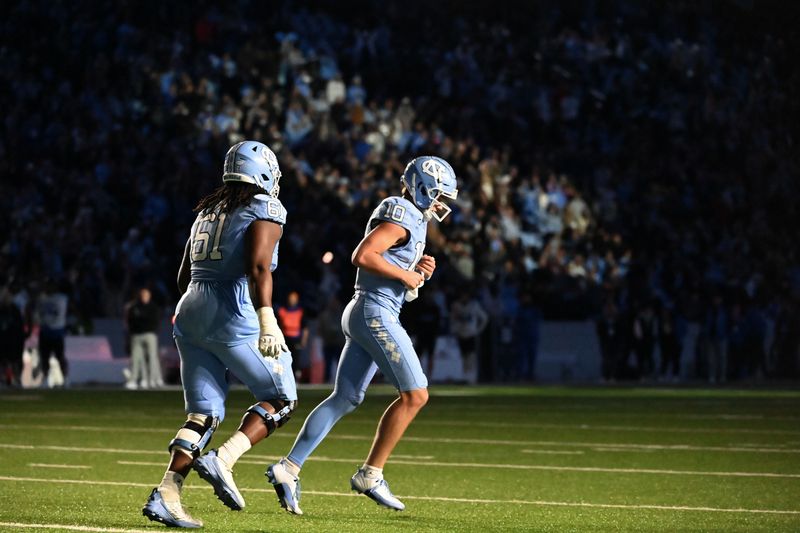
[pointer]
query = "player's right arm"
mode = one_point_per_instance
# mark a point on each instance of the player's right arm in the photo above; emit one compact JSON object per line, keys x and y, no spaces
{"x":260,"y":240}
{"x":369,"y":254}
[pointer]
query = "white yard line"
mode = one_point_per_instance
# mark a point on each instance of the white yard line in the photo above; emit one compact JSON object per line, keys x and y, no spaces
{"x":259,"y":459}
{"x":23,"y":525}
{"x":554,"y":452}
{"x":604,"y":427}
{"x":605,"y":470}
{"x":49,"y":465}
{"x":520,"y":443}
{"x":81,"y":449}
{"x":148,"y":463}
{"x":454,"y":440}
{"x":621,"y":450}
{"x":541,"y":503}
{"x":580,"y":427}
{"x":571,"y":444}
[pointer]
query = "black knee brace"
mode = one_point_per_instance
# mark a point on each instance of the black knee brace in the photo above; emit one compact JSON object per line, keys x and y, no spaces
{"x":195,"y":434}
{"x":283,"y":411}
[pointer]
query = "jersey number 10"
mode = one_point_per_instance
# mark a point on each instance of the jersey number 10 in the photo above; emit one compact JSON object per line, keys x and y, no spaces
{"x":208,"y":225}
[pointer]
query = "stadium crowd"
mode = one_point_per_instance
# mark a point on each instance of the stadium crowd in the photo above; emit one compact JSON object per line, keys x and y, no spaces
{"x":613,"y":164}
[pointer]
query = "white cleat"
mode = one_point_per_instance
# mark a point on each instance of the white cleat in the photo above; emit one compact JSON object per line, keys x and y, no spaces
{"x":214,"y":470}
{"x":171,"y":514}
{"x":287,"y":487}
{"x":377,"y":489}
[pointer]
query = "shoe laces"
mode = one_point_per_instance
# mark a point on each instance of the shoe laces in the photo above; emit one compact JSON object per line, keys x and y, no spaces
{"x":384,"y":485}
{"x":177,"y":510}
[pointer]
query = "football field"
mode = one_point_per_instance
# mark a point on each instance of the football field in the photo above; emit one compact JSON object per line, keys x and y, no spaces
{"x":476,"y":459}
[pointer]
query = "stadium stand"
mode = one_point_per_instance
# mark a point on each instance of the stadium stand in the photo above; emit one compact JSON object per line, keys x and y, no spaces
{"x":610,"y":159}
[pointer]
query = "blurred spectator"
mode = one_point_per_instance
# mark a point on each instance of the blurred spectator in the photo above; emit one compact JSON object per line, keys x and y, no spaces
{"x":606,"y":149}
{"x":644,"y":334}
{"x":610,"y":333}
{"x":670,"y":343}
{"x":528,"y":319}
{"x":330,"y":332}
{"x":335,"y":90}
{"x":786,"y":347}
{"x":12,"y":339}
{"x":755,"y":340}
{"x":467,"y":321}
{"x":51,"y":315}
{"x":738,"y":359}
{"x":292,"y":319}
{"x":716,"y":329}
{"x":142,"y":319}
{"x":423,"y":323}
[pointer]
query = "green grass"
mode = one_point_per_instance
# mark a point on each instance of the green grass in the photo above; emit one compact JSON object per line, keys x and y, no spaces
{"x":508,"y":459}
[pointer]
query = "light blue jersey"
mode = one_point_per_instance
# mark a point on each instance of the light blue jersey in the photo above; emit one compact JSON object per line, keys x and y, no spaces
{"x":402,"y":212}
{"x":374,"y":337}
{"x":217,"y":306}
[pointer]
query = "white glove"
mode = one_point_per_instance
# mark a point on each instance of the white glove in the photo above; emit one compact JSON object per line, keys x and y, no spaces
{"x":412,"y":295}
{"x":271,"y":342}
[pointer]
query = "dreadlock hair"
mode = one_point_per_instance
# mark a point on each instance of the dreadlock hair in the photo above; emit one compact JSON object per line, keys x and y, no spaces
{"x":229,"y":196}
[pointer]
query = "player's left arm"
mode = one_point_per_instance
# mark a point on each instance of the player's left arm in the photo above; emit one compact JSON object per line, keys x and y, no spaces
{"x":426,"y":266}
{"x":185,"y":270}
{"x":260,"y":240}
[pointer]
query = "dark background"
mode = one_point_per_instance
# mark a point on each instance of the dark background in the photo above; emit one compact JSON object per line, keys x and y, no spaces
{"x":615,"y":159}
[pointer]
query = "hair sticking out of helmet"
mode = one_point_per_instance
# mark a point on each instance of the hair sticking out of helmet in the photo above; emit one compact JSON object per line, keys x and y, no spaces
{"x":428,"y":181}
{"x":253,"y":162}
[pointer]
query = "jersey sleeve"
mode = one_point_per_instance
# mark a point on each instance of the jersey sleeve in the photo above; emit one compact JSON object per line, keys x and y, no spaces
{"x":268,"y":208}
{"x":394,"y":211}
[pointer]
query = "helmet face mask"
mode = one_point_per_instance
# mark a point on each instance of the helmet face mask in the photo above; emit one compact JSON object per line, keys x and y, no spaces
{"x":253,"y":162}
{"x":276,"y":189}
{"x":438,"y":209}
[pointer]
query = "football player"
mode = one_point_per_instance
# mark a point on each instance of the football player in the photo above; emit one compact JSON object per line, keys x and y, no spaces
{"x":224,"y":321}
{"x":391,"y":269}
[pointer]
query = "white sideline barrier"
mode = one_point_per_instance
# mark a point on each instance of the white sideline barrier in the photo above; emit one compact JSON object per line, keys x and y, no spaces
{"x":568,"y":352}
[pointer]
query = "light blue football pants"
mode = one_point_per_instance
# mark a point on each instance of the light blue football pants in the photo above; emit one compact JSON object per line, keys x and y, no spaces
{"x":374,"y":339}
{"x":203,"y":372}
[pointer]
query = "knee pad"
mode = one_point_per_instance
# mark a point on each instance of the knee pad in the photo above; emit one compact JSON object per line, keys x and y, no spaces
{"x":357,"y":399}
{"x":282,"y":414}
{"x":195,"y":434}
{"x":346,"y":402}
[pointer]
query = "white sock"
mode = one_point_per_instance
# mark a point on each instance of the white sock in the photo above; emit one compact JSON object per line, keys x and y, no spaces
{"x":170,"y":486}
{"x":234,"y":448}
{"x":291,"y":467}
{"x":372,"y":472}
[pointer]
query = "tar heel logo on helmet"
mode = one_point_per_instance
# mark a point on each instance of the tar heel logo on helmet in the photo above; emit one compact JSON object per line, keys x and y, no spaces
{"x":428,"y":179}
{"x":253,"y":162}
{"x":435,"y":169}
